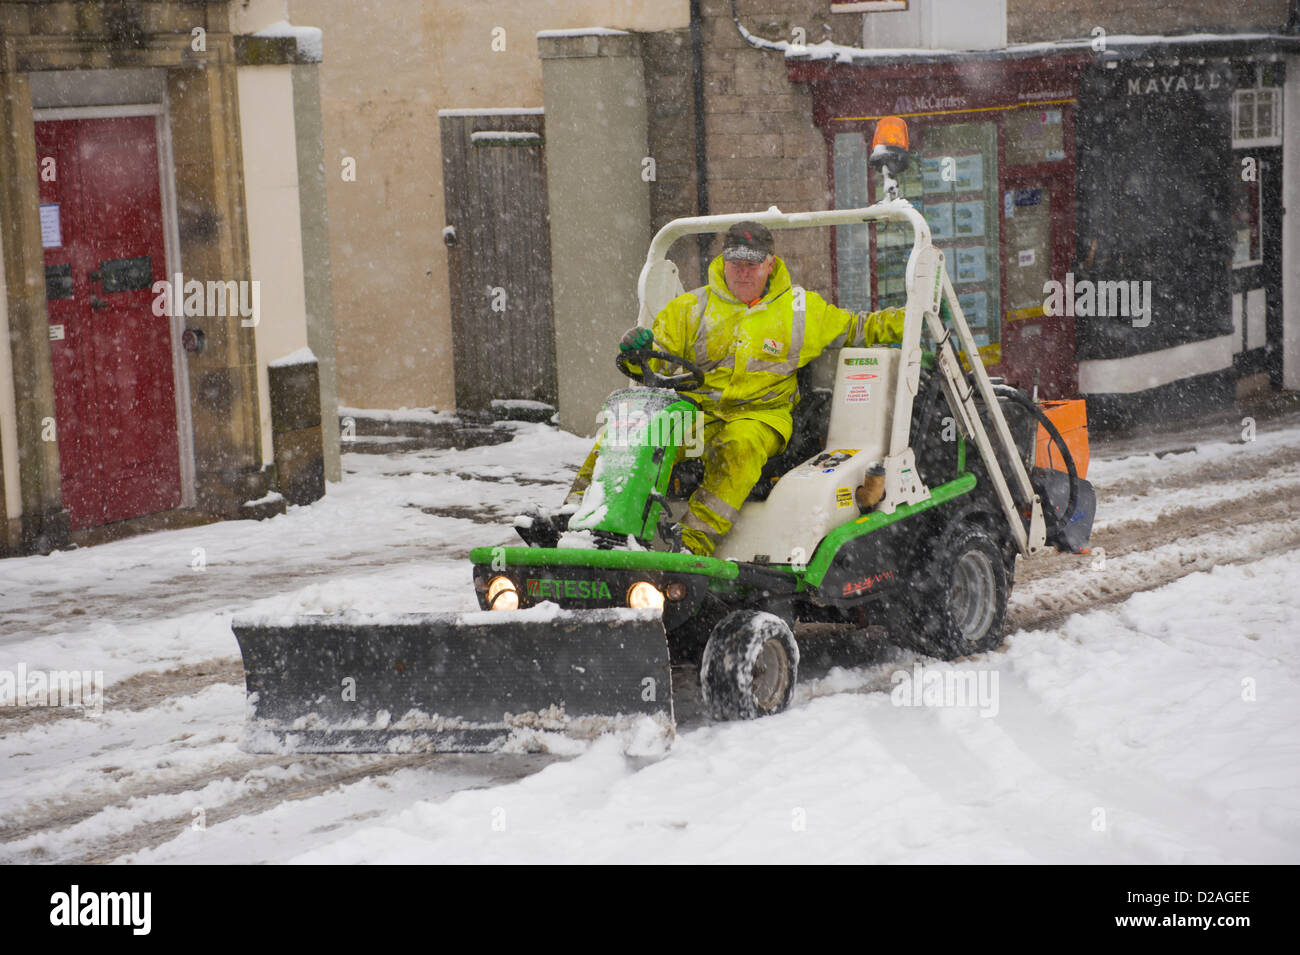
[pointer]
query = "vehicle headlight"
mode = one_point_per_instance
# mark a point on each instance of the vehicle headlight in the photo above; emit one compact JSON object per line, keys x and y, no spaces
{"x":502,"y":595}
{"x":644,"y":595}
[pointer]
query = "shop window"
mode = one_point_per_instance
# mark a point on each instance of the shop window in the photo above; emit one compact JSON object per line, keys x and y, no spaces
{"x":953,"y":182}
{"x":852,"y":242}
{"x":958,"y":179}
{"x":1257,"y":111}
{"x":1245,"y":226}
{"x":1034,"y":136}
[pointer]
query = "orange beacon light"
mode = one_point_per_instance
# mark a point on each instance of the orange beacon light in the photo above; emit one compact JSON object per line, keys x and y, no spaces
{"x":889,"y":145}
{"x":890,"y":131}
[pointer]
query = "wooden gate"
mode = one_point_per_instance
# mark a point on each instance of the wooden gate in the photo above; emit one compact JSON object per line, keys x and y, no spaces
{"x":499,"y":257}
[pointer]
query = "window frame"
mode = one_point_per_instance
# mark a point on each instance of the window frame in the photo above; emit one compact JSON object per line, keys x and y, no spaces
{"x":1256,"y":224}
{"x":1256,"y":93}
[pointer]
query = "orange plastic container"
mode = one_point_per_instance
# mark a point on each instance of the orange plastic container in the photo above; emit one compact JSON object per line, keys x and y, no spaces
{"x":1071,"y":419}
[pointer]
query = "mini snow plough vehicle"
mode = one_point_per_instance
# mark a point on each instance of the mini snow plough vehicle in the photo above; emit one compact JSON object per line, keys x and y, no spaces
{"x":903,"y":497}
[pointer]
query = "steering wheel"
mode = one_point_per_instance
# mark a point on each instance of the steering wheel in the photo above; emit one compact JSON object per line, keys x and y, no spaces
{"x":691,"y":381}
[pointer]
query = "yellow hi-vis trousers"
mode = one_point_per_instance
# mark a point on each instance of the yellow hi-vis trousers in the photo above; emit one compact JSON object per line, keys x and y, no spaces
{"x":734,"y":455}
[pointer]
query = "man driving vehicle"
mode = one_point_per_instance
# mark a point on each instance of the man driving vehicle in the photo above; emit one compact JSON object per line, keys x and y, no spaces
{"x":749,"y":330}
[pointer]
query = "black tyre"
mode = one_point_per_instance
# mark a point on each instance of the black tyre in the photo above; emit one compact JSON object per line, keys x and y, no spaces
{"x":955,"y":603}
{"x":750,"y":666}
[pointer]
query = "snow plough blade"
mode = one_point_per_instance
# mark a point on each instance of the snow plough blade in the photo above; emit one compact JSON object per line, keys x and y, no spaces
{"x":453,"y":682}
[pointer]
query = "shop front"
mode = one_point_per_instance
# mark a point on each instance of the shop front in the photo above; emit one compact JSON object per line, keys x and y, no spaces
{"x":1179,"y":196}
{"x":1111,"y":221}
{"x":153,"y":166}
{"x":994,"y":177}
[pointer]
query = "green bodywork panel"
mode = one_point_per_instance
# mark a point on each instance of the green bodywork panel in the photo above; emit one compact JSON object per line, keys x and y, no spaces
{"x":874,"y":521}
{"x":683,"y":563}
{"x":724,"y":572}
{"x":644,"y":431}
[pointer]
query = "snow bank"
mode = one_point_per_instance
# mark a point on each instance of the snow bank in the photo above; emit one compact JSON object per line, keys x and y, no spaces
{"x":420,"y":415}
{"x":1165,"y":731}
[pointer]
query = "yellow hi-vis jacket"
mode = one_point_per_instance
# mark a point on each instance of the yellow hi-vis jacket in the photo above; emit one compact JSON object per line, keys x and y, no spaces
{"x":749,"y":354}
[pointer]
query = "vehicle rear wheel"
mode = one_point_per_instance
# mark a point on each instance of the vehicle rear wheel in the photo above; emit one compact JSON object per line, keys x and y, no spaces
{"x":956,"y":601}
{"x":750,"y":666}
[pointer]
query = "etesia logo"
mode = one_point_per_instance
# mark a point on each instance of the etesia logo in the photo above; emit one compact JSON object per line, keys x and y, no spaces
{"x":580,"y":589}
{"x":862,"y":361}
{"x":102,"y":908}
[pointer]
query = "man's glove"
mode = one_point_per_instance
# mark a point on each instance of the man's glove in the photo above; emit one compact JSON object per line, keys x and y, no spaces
{"x":638,"y":339}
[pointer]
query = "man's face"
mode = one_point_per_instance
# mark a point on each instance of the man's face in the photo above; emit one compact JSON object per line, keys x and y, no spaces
{"x":745,"y":280}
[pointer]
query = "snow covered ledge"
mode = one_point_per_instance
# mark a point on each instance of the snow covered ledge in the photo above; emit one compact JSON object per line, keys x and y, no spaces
{"x":263,"y":29}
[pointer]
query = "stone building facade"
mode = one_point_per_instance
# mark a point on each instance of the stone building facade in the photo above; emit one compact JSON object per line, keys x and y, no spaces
{"x":139,"y":143}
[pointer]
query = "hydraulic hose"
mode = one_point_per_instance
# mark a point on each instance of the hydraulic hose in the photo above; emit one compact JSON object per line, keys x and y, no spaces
{"x":1022,"y":399}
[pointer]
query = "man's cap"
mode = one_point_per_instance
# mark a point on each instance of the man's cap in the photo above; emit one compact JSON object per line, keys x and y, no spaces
{"x":747,"y":242}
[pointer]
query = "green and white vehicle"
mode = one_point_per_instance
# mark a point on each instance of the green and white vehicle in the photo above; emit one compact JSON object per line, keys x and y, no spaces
{"x":580,"y":638}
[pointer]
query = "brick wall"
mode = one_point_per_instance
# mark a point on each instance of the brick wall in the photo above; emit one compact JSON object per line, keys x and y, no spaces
{"x":1033,"y":20}
{"x":763,"y":149}
{"x":670,"y":115}
{"x":762,"y":146}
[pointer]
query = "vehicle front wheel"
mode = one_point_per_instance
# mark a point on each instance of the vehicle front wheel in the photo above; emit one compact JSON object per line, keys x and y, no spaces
{"x":955,"y":603}
{"x":750,"y":666}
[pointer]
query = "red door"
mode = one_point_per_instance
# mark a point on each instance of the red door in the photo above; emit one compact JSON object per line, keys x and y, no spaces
{"x":114,"y":390}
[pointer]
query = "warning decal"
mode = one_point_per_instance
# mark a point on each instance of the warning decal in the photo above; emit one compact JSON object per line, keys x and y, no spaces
{"x":843,"y":497}
{"x":857,"y":393}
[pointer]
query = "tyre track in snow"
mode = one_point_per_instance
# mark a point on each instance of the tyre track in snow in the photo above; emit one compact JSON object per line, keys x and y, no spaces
{"x":1026,"y":775}
{"x":1279,"y":506}
{"x":1239,"y":467}
{"x":307,"y":776}
{"x":319,"y":774}
{"x":1140,"y":556}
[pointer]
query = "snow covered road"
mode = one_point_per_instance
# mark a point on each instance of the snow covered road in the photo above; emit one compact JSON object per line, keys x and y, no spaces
{"x":1147,"y":702}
